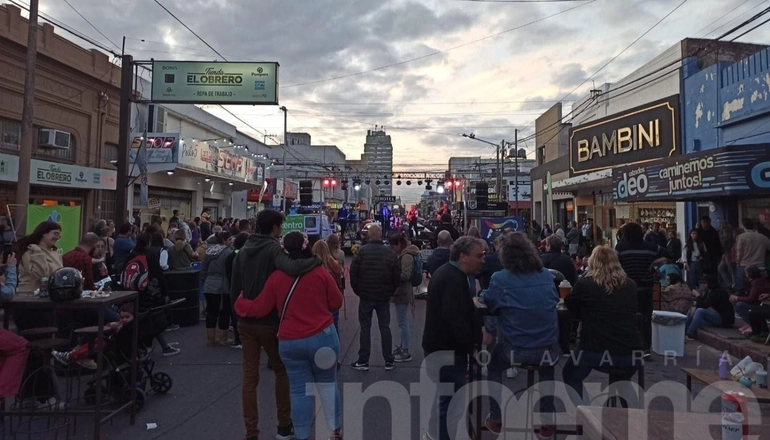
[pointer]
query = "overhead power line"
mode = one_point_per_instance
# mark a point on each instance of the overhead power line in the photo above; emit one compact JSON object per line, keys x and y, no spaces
{"x":91,"y":24}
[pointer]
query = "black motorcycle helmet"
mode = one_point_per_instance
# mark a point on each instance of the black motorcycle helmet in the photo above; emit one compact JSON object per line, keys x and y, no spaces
{"x":65,"y":284}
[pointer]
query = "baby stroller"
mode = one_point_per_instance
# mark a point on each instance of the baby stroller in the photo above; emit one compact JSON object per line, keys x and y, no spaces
{"x":116,"y":381}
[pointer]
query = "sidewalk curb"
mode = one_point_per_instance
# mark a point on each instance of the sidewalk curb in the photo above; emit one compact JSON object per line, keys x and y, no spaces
{"x":736,"y":347}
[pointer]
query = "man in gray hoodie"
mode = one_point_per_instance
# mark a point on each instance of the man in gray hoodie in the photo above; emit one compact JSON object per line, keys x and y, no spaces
{"x":261,"y":255}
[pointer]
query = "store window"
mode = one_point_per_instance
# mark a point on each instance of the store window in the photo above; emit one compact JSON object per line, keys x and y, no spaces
{"x":757,"y":209}
{"x":110,"y":153}
{"x":10,"y":134}
{"x":105,"y":204}
{"x":160,"y":119}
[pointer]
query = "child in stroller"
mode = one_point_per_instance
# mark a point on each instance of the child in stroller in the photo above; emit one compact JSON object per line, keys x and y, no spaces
{"x":80,"y":353}
{"x":117,"y":383}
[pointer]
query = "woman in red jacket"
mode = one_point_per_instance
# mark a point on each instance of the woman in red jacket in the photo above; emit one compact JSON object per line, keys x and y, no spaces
{"x":307,"y":340}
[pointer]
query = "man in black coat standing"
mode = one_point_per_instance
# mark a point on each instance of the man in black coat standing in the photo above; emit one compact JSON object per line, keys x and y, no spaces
{"x":440,"y":255}
{"x":554,"y":258}
{"x":374,"y":276}
{"x":450,"y":331}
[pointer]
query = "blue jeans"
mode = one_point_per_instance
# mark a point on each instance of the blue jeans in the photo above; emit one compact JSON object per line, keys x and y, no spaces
{"x":402,"y":317}
{"x":454,"y":374}
{"x":300,"y":356}
{"x":336,"y":316}
{"x":742,"y":309}
{"x":693,"y":274}
{"x":504,"y":358}
{"x":699,"y":318}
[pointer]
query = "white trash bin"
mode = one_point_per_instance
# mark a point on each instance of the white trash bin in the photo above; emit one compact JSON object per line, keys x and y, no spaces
{"x":668,"y":333}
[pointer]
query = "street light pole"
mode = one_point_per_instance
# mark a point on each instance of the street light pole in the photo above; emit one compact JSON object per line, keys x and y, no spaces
{"x":285,"y":146}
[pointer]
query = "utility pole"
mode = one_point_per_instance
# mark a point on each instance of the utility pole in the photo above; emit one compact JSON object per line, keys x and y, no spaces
{"x":497,"y":166}
{"x":27,"y":115}
{"x":285,"y":146}
{"x":516,"y":169}
{"x":504,"y":183}
{"x":124,"y":127}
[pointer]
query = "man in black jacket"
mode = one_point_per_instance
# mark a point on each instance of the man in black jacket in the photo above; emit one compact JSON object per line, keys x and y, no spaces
{"x":374,"y":277}
{"x":440,"y":255}
{"x":450,"y":329}
{"x":261,"y":255}
{"x":636,"y":258}
{"x":446,"y":225}
{"x":553,"y":258}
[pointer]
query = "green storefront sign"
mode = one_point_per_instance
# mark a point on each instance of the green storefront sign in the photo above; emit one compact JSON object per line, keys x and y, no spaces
{"x":66,"y":216}
{"x":293,"y":223}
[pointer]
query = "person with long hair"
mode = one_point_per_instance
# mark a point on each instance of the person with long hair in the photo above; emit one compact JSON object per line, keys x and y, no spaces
{"x":695,"y":255}
{"x":181,"y":255}
{"x":605,"y":300}
{"x":216,"y":287}
{"x":308,"y":343}
{"x":758,"y":285}
{"x":474,"y":232}
{"x":322,"y":251}
{"x":524,"y":298}
{"x":153,"y":295}
{"x":37,"y":255}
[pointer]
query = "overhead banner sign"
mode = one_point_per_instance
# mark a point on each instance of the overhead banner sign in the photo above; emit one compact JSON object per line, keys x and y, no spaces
{"x":734,"y":170}
{"x":638,"y":135}
{"x":161,"y":147}
{"x":195,"y":82}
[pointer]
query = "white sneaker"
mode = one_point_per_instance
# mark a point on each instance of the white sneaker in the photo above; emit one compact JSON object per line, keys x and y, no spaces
{"x":511,"y":373}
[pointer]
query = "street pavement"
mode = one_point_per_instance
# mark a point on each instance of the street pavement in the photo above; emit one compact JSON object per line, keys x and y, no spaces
{"x":205,"y":402}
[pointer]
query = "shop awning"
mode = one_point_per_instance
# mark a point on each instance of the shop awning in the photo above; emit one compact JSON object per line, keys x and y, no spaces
{"x":730,"y":171}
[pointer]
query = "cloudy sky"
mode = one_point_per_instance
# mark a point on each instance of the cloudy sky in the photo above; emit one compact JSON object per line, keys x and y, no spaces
{"x":427,"y":70}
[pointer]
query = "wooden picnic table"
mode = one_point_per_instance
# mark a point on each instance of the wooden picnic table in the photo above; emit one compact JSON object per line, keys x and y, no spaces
{"x":622,"y":424}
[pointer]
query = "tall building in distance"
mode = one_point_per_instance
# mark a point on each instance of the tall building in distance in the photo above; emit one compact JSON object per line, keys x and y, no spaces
{"x":380,"y":152}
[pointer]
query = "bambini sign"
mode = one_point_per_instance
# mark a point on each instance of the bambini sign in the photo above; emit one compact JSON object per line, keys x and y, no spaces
{"x":721,"y":171}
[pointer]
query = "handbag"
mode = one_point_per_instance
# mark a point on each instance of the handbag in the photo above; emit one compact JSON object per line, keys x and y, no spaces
{"x":286,"y":303}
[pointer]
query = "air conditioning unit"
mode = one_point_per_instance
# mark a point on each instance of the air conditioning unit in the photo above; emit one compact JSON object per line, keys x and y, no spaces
{"x":48,"y":138}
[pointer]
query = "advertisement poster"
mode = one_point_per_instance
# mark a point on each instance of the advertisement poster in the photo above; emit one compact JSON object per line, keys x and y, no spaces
{"x":725,"y":171}
{"x":66,"y":216}
{"x":293,"y":223}
{"x":492,"y":227}
{"x":199,"y":82}
{"x":160,"y":147}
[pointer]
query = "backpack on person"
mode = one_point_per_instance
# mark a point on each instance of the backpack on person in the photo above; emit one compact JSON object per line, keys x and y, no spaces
{"x":136,"y":275}
{"x":416,"y":271}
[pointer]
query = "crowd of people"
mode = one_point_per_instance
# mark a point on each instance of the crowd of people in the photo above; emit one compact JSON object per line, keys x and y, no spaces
{"x":283,"y":295}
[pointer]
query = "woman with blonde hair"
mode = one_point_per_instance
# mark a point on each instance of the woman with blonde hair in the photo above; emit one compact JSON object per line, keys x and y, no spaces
{"x":605,"y":301}
{"x":474,"y":232}
{"x":334,"y":247}
{"x":322,"y":251}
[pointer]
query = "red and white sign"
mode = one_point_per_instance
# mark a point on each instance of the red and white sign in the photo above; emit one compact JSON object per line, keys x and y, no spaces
{"x":161,"y":147}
